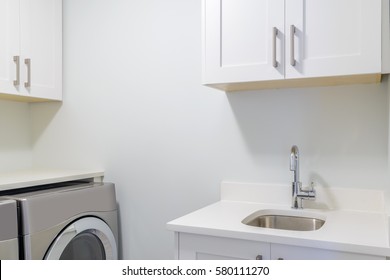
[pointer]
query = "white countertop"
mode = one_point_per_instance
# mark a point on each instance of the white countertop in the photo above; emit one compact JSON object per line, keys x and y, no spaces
{"x":35,"y":177}
{"x":350,"y":228}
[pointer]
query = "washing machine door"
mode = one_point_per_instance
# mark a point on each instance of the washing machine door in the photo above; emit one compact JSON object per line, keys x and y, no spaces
{"x":86,"y":239}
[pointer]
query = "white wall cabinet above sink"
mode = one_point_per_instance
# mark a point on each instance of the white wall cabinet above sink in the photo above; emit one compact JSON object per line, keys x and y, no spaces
{"x":282,"y":43}
{"x":31,"y":50}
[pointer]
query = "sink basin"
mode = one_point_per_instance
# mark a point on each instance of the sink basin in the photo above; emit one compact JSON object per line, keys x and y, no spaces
{"x":284,"y":221}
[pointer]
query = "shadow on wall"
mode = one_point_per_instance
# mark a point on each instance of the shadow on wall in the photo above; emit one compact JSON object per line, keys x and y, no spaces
{"x":331,"y":121}
{"x":15,"y":140}
{"x":13,"y":124}
{"x":42,"y":120}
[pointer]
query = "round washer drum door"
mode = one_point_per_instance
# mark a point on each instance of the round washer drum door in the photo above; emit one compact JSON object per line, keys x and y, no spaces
{"x":85,"y":239}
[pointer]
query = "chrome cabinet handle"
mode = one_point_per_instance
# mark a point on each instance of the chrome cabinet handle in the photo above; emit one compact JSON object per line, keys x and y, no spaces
{"x":292,"y":45}
{"x":259,"y":257}
{"x":17,"y":62}
{"x":27,"y":61}
{"x":274,"y":34}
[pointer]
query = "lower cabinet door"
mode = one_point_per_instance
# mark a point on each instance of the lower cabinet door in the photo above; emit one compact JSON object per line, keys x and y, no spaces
{"x":205,"y":247}
{"x":201,"y":247}
{"x":288,"y":252}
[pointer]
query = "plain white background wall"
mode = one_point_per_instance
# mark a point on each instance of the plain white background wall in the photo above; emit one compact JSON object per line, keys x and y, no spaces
{"x":134,"y":105}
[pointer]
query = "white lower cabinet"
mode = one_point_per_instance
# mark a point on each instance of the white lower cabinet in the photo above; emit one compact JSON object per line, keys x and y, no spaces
{"x":203,"y":247}
{"x":288,"y":252}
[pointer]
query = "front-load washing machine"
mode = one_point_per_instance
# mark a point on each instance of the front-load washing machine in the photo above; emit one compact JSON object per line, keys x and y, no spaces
{"x":77,"y":221}
{"x":9,"y":249}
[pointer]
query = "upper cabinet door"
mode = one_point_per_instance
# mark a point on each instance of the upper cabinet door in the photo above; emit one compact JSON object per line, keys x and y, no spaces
{"x":9,"y":46}
{"x":332,"y":37}
{"x":243,"y":40}
{"x":41,"y":48}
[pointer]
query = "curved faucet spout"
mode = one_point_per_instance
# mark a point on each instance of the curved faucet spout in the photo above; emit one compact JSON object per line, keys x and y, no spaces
{"x":294,"y":162}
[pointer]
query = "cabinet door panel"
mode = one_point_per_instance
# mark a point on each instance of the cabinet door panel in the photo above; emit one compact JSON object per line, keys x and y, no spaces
{"x":9,"y":44}
{"x":333,"y":37}
{"x":238,"y":40}
{"x":41,"y":41}
{"x":199,"y":247}
{"x":287,"y":252}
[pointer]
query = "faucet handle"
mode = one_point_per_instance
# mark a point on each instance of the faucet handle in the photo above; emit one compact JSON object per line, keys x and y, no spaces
{"x":308,"y":193}
{"x":312,"y":185}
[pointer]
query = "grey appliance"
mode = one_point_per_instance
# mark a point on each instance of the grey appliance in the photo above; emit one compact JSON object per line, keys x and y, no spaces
{"x":9,"y":245}
{"x":74,"y":221}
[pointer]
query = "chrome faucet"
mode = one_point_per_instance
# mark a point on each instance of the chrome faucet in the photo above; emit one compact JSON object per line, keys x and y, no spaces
{"x":297,"y":193}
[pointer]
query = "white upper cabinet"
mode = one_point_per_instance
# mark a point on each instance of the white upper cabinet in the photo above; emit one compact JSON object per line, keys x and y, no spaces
{"x":332,"y":37}
{"x":254,"y":41}
{"x":31,"y":50}
{"x":238,"y":40}
{"x":9,"y":44}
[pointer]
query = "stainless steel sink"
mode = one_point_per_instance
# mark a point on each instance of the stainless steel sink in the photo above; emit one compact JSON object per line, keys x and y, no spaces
{"x":285,"y":222}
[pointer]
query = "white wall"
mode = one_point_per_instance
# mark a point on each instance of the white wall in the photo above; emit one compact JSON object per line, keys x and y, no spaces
{"x":15,"y":136}
{"x":134,"y":105}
